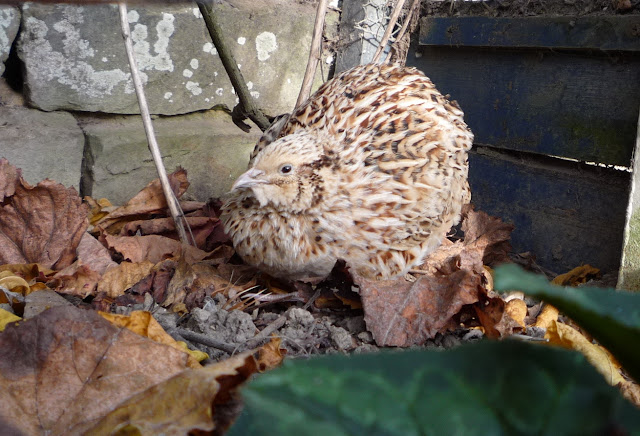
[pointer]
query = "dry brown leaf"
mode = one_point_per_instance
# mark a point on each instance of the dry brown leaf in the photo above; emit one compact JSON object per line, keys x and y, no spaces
{"x":117,"y":280}
{"x":153,"y":248}
{"x":65,"y":369}
{"x":81,"y":277}
{"x":489,"y":234}
{"x":399,"y":313}
{"x":143,"y":324}
{"x":200,"y":228}
{"x":270,"y":355}
{"x":181,"y":285}
{"x":494,"y":318}
{"x":196,"y":399}
{"x":149,"y":200}
{"x":94,"y":255}
{"x":39,"y":224}
{"x":75,"y":279}
{"x":568,"y":337}
{"x":28,"y":271}
{"x":98,"y":209}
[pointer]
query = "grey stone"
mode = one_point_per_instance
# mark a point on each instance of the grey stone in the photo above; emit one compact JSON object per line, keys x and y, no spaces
{"x":43,"y":144}
{"x":207,"y":144}
{"x":9,"y":25}
{"x":75,"y":59}
{"x":341,"y":338}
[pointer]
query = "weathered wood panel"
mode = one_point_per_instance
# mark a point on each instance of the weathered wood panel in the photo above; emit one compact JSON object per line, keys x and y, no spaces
{"x":613,"y":32}
{"x":565,"y":213}
{"x":581,"y":106}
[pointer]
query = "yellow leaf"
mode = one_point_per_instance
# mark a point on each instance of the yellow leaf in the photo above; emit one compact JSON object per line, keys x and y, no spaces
{"x":547,"y":316}
{"x":270,"y":355}
{"x":7,"y":317}
{"x":576,"y":276}
{"x":196,"y":354}
{"x":144,"y":324}
{"x":566,"y":336}
{"x":517,"y":310}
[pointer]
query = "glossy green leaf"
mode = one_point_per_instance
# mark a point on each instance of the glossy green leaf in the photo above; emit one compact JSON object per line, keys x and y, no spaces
{"x":489,"y":388}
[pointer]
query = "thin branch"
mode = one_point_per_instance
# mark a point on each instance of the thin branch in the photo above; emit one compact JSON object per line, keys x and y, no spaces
{"x":314,"y":53}
{"x":172,"y":201}
{"x":204,"y":340}
{"x":387,"y":33}
{"x":415,"y":6}
{"x":231,"y":66}
{"x":257,"y":339}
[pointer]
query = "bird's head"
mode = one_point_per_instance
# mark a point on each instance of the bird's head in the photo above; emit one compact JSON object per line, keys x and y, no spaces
{"x":288,"y":174}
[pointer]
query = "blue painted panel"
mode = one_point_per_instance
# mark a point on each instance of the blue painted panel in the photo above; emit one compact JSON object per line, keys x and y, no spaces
{"x":565,"y":213}
{"x":613,"y":32}
{"x":577,"y":105}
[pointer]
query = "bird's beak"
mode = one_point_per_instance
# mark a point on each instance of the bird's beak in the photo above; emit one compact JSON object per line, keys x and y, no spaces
{"x":249,"y":179}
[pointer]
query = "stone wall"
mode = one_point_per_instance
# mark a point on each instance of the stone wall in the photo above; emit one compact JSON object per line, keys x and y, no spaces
{"x":77,"y":100}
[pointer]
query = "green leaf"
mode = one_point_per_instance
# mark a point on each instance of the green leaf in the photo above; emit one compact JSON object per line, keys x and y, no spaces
{"x":489,"y":388}
{"x":611,"y":316}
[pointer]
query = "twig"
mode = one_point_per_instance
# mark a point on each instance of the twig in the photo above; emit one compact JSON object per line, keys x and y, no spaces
{"x":387,"y":32}
{"x":415,"y":6}
{"x":275,"y":325}
{"x":204,"y":340}
{"x":314,"y":53}
{"x":231,"y":67}
{"x":172,"y":201}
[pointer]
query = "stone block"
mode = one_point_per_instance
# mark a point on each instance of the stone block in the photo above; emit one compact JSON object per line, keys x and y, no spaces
{"x":207,"y":144}
{"x":75,"y":59}
{"x":9,"y":24}
{"x":43,"y":144}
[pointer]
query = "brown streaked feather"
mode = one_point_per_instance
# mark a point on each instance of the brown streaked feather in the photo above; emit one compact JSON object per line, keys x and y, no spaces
{"x":380,"y":160}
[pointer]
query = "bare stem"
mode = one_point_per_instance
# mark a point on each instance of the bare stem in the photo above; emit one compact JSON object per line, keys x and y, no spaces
{"x":415,"y":6}
{"x":314,"y":53}
{"x":172,"y":201}
{"x":387,"y":33}
{"x":231,"y":67}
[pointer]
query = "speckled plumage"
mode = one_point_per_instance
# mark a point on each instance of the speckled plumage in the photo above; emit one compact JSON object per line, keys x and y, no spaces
{"x":378,"y":175}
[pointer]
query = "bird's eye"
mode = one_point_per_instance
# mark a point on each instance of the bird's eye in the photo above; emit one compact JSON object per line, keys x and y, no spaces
{"x":286,"y":169}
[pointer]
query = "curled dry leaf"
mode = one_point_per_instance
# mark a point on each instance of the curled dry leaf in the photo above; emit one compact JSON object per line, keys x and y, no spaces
{"x":195,"y":399}
{"x":42,"y":223}
{"x":117,"y":280}
{"x":495,"y":319}
{"x":94,"y":255}
{"x":200,"y":227}
{"x":152,"y":248}
{"x":144,"y":324}
{"x":577,"y":276}
{"x":81,"y":277}
{"x":149,"y":200}
{"x":517,"y":310}
{"x":566,"y":336}
{"x":400,"y":313}
{"x":65,"y":369}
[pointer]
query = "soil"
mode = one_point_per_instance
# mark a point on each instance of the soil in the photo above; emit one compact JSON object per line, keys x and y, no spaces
{"x":517,"y":8}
